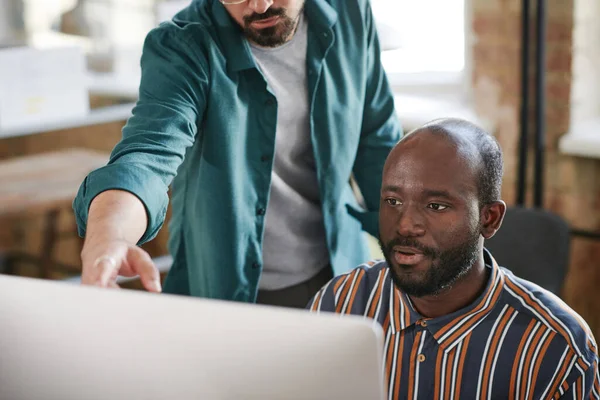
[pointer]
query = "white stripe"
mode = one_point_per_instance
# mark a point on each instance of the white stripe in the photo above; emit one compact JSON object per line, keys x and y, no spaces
{"x":576,"y":316}
{"x":574,"y":394}
{"x":443,"y":377}
{"x":416,"y":394}
{"x":349,"y":295}
{"x":461,"y":337}
{"x":543,"y":320}
{"x":392,"y":311}
{"x":393,"y":365}
{"x":341,"y":288}
{"x":536,"y":353}
{"x":379,"y":299}
{"x":466,"y":319}
{"x":373,"y":291}
{"x":455,"y":370}
{"x":487,"y":349}
{"x":522,"y":361}
{"x":323,"y":291}
{"x":582,"y":378}
{"x":560,"y":364}
{"x":402,"y":312}
{"x":570,"y":368}
{"x":597,"y":379}
{"x":500,"y":343}
{"x":558,"y":321}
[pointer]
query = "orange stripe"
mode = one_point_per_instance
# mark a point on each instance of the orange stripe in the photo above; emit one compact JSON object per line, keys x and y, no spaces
{"x":337,"y":285}
{"x":473,"y":320}
{"x":438,"y":373}
{"x":538,"y":362}
{"x":448,"y":385}
{"x":397,"y":324}
{"x":479,"y":306}
{"x":561,"y":375}
{"x":461,"y":364}
{"x":361,"y":274}
{"x":345,"y":291}
{"x":528,"y":357}
{"x":595,"y":375}
{"x":315,"y":306}
{"x":411,"y":373}
{"x":399,"y":367}
{"x":513,"y":376}
{"x":389,"y":358}
{"x":492,"y":351}
{"x":377,"y":297}
{"x":541,"y":311}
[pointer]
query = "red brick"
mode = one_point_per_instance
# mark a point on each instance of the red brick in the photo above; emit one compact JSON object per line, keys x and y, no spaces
{"x":559,"y":31}
{"x":559,"y":58}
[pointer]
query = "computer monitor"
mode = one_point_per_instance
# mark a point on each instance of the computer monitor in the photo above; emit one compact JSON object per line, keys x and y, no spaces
{"x":64,"y":341}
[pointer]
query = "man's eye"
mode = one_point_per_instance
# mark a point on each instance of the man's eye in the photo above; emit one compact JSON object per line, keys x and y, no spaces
{"x":437,"y":207}
{"x":392,"y":202}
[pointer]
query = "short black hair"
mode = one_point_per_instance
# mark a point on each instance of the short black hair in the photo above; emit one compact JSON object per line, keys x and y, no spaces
{"x":489,"y":184}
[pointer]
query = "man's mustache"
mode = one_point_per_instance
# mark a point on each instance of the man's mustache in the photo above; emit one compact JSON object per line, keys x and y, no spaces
{"x":271,"y":12}
{"x":408,"y":242}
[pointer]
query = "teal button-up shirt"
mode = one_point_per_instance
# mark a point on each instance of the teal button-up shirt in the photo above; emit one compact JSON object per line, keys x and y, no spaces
{"x":205,"y":123}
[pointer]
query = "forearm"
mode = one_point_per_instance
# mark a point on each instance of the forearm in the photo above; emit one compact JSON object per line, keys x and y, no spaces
{"x":115,"y":215}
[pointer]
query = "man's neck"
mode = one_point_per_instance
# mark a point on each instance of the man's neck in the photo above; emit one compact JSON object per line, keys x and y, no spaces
{"x":460,"y":295}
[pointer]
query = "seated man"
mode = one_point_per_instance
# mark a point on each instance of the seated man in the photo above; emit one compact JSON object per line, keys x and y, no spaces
{"x":458,"y":326}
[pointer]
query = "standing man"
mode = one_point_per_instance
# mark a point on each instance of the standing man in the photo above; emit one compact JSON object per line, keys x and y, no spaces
{"x":258,"y":112}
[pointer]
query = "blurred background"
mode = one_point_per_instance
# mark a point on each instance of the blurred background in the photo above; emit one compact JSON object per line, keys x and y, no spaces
{"x":527,"y":71}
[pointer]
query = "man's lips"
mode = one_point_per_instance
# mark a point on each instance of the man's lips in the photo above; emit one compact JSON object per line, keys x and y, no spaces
{"x":265,"y":23}
{"x":407,"y":255}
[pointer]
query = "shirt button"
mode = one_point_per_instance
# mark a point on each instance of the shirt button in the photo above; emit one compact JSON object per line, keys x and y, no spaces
{"x":260,"y":211}
{"x":325,"y":34}
{"x":423,"y":323}
{"x":255,"y":265}
{"x":269,"y":102}
{"x":421,"y":357}
{"x":264,"y":158}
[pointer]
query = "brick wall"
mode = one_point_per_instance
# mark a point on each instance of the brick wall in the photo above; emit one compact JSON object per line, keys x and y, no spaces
{"x":572,"y":187}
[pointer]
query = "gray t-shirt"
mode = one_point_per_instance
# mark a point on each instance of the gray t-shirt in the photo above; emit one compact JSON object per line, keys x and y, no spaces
{"x":294,"y":246}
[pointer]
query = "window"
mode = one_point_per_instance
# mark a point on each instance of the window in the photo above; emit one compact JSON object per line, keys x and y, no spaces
{"x":422,"y":40}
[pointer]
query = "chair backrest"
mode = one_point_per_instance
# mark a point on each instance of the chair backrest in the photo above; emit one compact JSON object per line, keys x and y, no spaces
{"x":534,"y":245}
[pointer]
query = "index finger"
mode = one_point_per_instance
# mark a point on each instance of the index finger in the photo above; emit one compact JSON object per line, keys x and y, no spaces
{"x":143,"y":265}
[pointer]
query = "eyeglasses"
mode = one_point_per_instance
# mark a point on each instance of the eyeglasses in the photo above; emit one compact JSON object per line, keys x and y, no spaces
{"x":232,"y":2}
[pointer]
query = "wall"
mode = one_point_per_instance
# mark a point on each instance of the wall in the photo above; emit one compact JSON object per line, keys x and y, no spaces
{"x":572,"y":187}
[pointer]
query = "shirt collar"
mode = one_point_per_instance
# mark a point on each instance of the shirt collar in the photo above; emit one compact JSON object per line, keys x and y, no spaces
{"x":449,"y":330}
{"x":319,"y":14}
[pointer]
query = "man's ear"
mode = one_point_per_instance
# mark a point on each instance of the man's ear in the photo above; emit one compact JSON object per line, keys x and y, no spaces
{"x":491,"y":217}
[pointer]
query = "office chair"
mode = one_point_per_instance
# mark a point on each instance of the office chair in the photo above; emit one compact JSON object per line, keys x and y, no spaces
{"x":534,"y":245}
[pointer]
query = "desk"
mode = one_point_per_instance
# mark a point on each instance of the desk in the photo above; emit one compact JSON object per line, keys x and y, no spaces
{"x":44,"y":184}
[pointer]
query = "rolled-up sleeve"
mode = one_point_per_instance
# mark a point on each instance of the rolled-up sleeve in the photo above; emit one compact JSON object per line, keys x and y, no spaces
{"x":380,"y":131}
{"x":163,"y":125}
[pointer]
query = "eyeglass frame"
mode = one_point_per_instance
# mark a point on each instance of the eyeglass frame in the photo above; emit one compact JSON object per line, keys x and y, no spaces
{"x":232,"y":2}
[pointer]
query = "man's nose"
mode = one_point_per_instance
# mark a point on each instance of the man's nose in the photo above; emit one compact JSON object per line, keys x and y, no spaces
{"x":410,"y":222}
{"x":260,"y":6}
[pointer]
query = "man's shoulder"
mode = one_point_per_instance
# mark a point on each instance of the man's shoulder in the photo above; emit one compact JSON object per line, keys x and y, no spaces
{"x":550,"y":310}
{"x":192,"y":23}
{"x":351,"y":292}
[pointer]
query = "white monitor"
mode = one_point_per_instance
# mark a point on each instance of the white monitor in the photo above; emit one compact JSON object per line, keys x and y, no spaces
{"x":62,"y":341}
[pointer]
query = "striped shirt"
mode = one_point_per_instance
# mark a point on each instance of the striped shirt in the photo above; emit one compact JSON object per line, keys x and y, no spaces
{"x":516,"y":341}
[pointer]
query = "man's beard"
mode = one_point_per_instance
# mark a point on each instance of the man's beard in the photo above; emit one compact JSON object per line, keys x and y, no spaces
{"x":446,"y":267}
{"x":272,"y":36}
